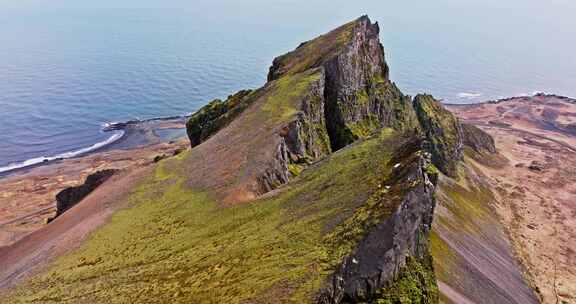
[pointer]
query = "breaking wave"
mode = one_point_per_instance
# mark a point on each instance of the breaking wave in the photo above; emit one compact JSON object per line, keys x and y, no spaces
{"x":70,"y":154}
{"x":469,"y":95}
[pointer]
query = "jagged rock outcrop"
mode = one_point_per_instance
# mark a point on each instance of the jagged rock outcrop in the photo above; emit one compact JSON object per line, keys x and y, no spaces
{"x":339,"y":90}
{"x":215,"y":116}
{"x":69,"y":197}
{"x":443,"y":131}
{"x":359,"y":97}
{"x":477,"y":139}
{"x":303,"y":139}
{"x":386,"y":250}
{"x":350,"y":98}
{"x":356,"y":221}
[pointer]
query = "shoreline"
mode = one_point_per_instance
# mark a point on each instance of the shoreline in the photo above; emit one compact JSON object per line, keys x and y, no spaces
{"x":28,"y":195}
{"x":132,"y":134}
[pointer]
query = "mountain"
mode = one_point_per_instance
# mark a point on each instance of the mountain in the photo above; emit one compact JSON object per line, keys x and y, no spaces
{"x":319,"y":187}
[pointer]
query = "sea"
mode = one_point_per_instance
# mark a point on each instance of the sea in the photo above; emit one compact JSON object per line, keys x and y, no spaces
{"x":69,"y":69}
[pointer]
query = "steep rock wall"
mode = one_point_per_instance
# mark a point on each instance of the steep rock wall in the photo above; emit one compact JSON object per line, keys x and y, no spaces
{"x":385,"y":252}
{"x":443,"y":131}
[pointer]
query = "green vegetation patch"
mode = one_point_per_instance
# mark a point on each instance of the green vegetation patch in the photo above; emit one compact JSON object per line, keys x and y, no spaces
{"x":216,"y":115}
{"x":178,"y":245}
{"x":467,"y":201}
{"x":416,"y":284}
{"x":313,"y":53}
{"x":285,"y":95}
{"x":442,"y":130}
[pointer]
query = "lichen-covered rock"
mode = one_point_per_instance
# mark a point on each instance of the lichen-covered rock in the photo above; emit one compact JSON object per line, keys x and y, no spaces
{"x":477,"y":139}
{"x":216,"y":115}
{"x":303,"y":138}
{"x":443,"y":131}
{"x":306,"y":136}
{"x":359,"y":96}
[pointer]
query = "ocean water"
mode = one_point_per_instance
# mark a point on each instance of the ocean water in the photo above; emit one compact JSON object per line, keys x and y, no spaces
{"x":68,"y":67}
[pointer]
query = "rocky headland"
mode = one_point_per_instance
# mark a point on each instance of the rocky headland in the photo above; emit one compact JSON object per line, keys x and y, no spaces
{"x":325,"y":185}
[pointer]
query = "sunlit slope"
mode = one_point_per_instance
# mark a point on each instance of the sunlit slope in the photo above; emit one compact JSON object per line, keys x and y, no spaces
{"x":178,"y":244}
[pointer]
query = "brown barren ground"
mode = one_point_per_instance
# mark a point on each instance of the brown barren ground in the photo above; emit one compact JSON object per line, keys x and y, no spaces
{"x":27,"y":199}
{"x":537,"y":188}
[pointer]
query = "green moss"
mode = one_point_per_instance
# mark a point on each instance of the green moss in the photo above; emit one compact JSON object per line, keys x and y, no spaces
{"x":286,"y":93}
{"x":365,"y":127}
{"x":312,"y":53}
{"x":216,"y":115}
{"x":362,"y":97}
{"x":442,"y":130}
{"x":416,"y":284}
{"x":445,"y":259}
{"x":431,"y":169}
{"x":468,"y":203}
{"x":176,"y":244}
{"x":295,"y":169}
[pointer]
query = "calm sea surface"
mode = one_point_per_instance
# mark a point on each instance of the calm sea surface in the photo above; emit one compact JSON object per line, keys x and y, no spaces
{"x":68,"y":67}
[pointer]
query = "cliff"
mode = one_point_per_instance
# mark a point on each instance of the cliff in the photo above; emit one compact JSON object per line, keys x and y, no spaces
{"x":443,"y":130}
{"x":318,"y":187}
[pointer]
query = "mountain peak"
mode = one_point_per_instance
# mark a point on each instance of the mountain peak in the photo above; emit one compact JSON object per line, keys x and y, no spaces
{"x":316,"y":52}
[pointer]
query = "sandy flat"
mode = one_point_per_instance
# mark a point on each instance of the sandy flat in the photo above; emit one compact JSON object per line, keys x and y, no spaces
{"x":537,"y":188}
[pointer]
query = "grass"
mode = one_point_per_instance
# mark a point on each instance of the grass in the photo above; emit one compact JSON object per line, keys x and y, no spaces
{"x":178,"y":245}
{"x":312,"y":53}
{"x":416,"y":284}
{"x":286,"y":93}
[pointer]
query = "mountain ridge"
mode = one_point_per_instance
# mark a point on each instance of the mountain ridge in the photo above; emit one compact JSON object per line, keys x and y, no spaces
{"x":318,"y":187}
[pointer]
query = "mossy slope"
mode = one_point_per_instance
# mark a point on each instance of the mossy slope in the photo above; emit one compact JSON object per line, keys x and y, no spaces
{"x":207,"y":228}
{"x":177,"y":245}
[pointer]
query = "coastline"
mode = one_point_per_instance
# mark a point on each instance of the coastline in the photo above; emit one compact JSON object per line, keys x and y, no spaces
{"x":124,"y":135}
{"x":27,"y":195}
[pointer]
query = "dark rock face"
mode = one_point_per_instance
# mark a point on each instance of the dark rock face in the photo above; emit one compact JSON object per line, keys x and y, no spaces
{"x":353,"y":99}
{"x":381,"y":255}
{"x":359,"y":97}
{"x":477,"y":139}
{"x":215,"y":116}
{"x":443,"y":131}
{"x":69,"y":197}
{"x":302,"y":140}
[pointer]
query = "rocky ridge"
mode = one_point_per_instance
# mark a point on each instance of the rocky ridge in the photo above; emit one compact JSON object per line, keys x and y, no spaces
{"x":352,"y":98}
{"x":318,"y":187}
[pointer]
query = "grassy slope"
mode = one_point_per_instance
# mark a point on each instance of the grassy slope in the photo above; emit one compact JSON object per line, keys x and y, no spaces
{"x":176,"y":244}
